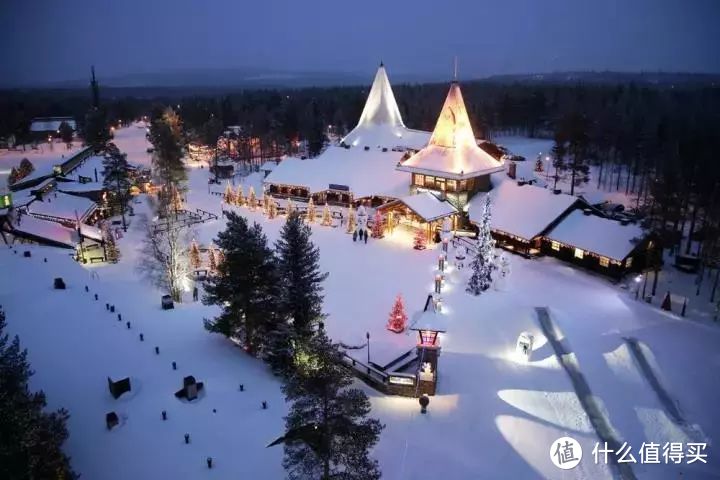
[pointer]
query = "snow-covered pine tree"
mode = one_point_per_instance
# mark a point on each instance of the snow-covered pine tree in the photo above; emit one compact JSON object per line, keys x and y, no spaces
{"x":116,"y":179}
{"x":32,"y":437}
{"x":420,"y":240}
{"x":298,"y":264}
{"x":245,"y":287}
{"x":398,"y":317}
{"x":311,"y":211}
{"x":252,"y":198}
{"x":482,"y":265}
{"x":378,"y":228}
{"x":351,"y":220}
{"x":229,"y":195}
{"x":111,"y":250}
{"x":239,"y":196}
{"x":326,"y":216}
{"x":195,"y":255}
{"x":327,"y":432}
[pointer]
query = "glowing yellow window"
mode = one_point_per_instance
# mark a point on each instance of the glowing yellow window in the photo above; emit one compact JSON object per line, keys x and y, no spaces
{"x":579,"y":253}
{"x":604,"y":262}
{"x":555,"y":246}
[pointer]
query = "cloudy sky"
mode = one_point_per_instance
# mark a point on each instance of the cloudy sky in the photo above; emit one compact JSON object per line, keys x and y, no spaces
{"x":44,"y":41}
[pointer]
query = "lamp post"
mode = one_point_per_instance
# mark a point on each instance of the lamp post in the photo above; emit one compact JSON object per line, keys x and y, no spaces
{"x":367,"y":336}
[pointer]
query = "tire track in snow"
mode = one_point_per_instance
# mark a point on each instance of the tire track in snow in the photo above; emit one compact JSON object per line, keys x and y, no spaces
{"x":599,"y":421}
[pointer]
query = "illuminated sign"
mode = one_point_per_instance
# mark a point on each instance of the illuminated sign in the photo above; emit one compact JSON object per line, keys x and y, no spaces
{"x":398,"y":380}
{"x":5,"y":200}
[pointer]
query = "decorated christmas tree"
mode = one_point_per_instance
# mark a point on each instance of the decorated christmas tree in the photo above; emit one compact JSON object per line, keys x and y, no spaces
{"x":326,"y":217}
{"x":212,"y":259}
{"x":419,"y":242}
{"x":539,"y":165}
{"x":239,"y":196}
{"x":252,"y":199}
{"x":194,"y":255}
{"x":311,"y":211}
{"x":229,"y":195}
{"x":352,"y":219}
{"x":113,"y":254}
{"x":378,"y":228}
{"x":482,"y":265}
{"x":398,"y":317}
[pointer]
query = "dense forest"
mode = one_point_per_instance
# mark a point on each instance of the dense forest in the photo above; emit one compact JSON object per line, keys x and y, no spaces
{"x":654,"y":143}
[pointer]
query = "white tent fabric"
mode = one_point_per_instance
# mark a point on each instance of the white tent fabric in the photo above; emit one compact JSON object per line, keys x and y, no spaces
{"x":381,"y":124}
{"x":453,"y":151}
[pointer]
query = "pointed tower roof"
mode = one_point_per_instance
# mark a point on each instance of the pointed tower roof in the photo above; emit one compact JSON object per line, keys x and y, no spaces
{"x":452,"y":151}
{"x":381,"y":124}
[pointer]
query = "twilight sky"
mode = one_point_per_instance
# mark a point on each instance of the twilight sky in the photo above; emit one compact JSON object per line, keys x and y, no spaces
{"x":44,"y":40}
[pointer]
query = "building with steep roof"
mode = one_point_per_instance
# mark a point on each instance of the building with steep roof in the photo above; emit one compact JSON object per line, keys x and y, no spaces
{"x":452,"y":163}
{"x":380,"y":124}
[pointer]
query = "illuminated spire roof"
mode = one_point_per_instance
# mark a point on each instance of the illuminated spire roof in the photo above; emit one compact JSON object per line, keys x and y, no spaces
{"x":381,"y":124}
{"x":452,"y":151}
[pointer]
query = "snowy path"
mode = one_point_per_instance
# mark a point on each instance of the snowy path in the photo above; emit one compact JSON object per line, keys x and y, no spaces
{"x":596,"y":415}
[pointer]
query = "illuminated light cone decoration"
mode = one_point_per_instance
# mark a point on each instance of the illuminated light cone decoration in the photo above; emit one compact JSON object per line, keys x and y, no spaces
{"x":290,"y":207}
{"x":352,"y":219}
{"x":194,"y":255}
{"x":311,"y":211}
{"x":212,"y":259}
{"x":539,"y":164}
{"x":240,"y":197}
{"x":419,"y":242}
{"x":266,"y":204}
{"x":229,"y":195}
{"x":398,"y":318}
{"x":252,"y":198}
{"x":326,"y":217}
{"x":378,"y":225}
{"x":272,"y":208}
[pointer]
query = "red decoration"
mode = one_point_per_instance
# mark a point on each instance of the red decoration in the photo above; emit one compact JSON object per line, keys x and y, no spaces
{"x":420,"y":241}
{"x":398,"y":317}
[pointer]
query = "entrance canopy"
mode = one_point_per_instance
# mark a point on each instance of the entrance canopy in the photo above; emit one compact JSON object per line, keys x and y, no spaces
{"x":425,"y":205}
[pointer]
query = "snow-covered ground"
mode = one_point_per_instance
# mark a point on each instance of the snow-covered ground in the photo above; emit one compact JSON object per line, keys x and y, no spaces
{"x":493,"y":417}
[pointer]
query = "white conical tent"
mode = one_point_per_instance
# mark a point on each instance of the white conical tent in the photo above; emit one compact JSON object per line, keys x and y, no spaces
{"x":381,"y":124}
{"x":381,"y":107}
{"x":452,"y":151}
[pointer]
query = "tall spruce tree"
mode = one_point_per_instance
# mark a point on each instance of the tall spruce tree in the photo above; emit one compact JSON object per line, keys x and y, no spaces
{"x":482,"y":265}
{"x":298,"y":264}
{"x":116,"y":179}
{"x":166,"y":136}
{"x":245,"y":286}
{"x":30,"y":438}
{"x":328,"y":432}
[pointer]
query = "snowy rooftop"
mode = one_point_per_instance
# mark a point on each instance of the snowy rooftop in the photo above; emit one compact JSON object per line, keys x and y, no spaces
{"x":366,"y":173}
{"x":87,"y":169}
{"x":381,"y":124}
{"x":91,"y":232}
{"x":602,"y":236}
{"x":49,"y":230}
{"x":63,"y":206}
{"x":427,"y":205}
{"x":525,"y":211}
{"x":453,"y":151}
